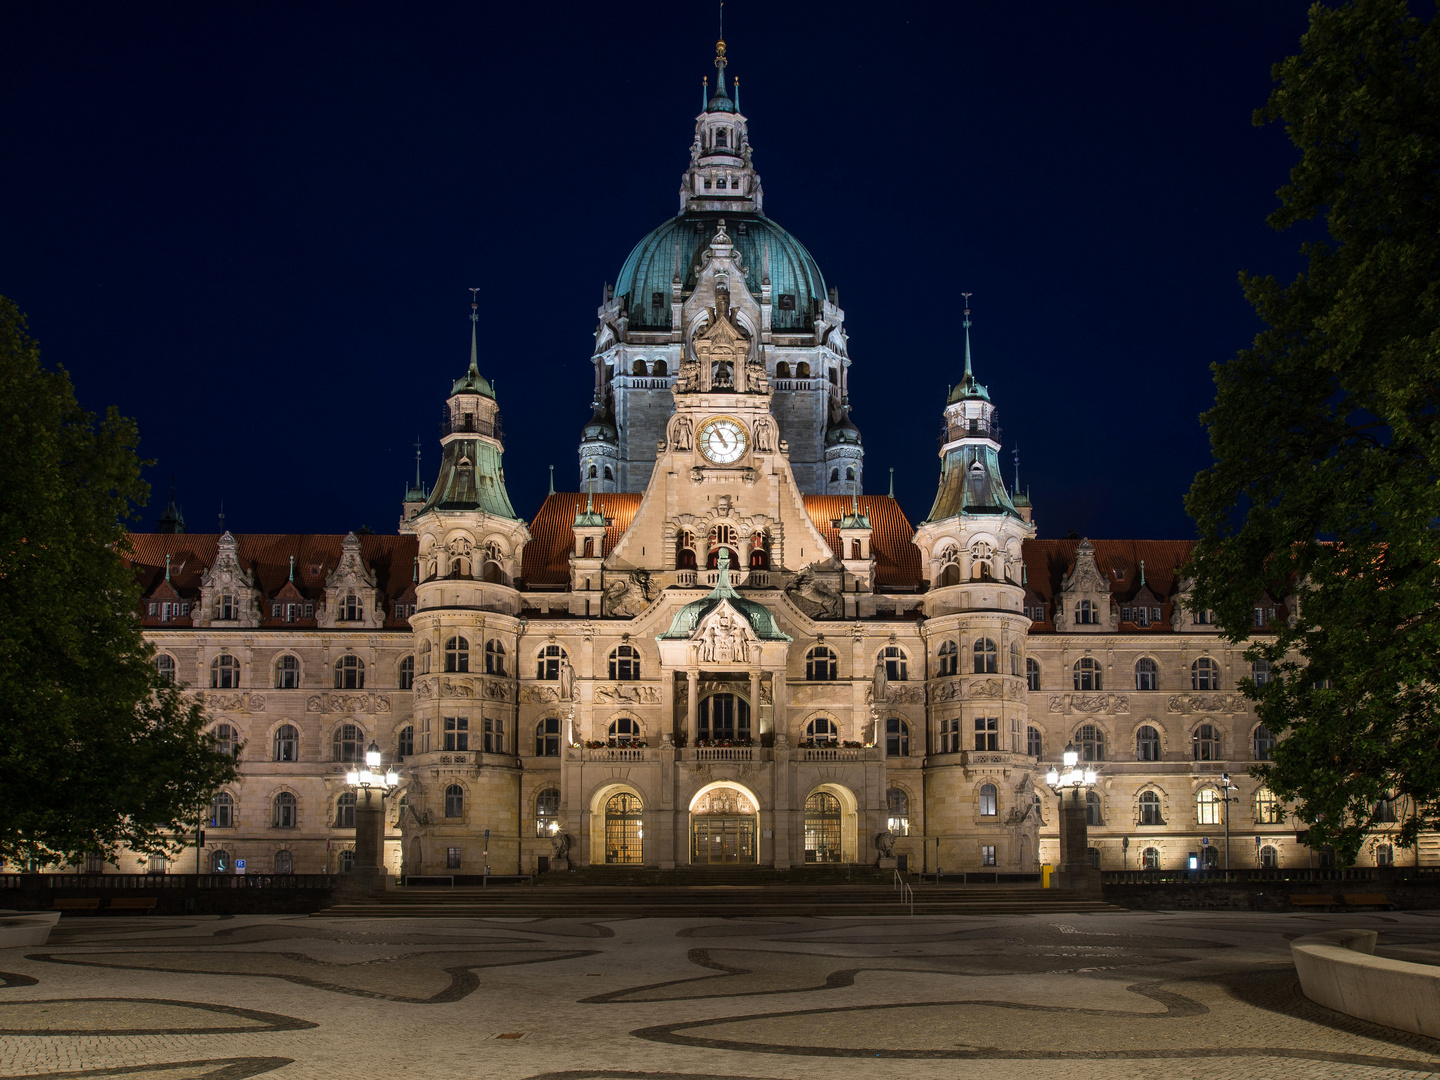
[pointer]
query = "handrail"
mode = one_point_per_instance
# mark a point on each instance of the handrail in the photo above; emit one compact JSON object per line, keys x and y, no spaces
{"x":905,"y":891}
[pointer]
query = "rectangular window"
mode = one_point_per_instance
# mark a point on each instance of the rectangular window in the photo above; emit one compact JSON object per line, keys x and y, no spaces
{"x":309,"y":611}
{"x":987,"y":733}
{"x":494,"y":736}
{"x":457,"y":733}
{"x":950,"y":736}
{"x":987,"y":855}
{"x":1015,"y":736}
{"x":274,"y":611}
{"x":153,"y":607}
{"x":425,"y":736}
{"x":452,"y":858}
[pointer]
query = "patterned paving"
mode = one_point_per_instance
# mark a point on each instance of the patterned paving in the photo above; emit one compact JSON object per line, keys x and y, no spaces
{"x":1134,"y":995}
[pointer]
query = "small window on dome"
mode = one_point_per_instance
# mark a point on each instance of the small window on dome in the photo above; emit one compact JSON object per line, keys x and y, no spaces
{"x":787,"y":301}
{"x":743,"y":230}
{"x":721,"y":183}
{"x":657,"y":300}
{"x":707,"y":185}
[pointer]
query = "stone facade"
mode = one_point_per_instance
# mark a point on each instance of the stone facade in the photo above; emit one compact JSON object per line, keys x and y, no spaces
{"x":720,"y":651}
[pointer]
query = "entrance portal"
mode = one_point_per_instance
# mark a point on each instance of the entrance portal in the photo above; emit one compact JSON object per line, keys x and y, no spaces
{"x":722,"y":829}
{"x":822,"y":828}
{"x":624,"y":830}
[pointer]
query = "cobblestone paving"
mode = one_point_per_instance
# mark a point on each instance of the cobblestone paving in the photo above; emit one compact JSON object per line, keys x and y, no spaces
{"x":1069,"y":997}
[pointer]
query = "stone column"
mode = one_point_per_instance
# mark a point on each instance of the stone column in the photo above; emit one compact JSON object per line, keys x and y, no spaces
{"x":1075,"y":870}
{"x":755,"y":724}
{"x":692,"y":706}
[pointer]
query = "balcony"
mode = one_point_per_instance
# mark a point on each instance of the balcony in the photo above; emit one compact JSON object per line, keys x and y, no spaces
{"x":724,"y":753}
{"x":834,"y":753}
{"x":619,"y":753}
{"x":470,"y":425}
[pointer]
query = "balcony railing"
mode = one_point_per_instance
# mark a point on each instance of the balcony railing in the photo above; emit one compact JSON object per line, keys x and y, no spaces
{"x":615,"y":753}
{"x":724,"y":753}
{"x":467,"y":424}
{"x":832,"y":753}
{"x":800,"y":384}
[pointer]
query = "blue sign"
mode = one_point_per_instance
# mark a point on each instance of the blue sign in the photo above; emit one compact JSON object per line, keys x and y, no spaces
{"x":239,"y":866}
{"x":1204,"y":841}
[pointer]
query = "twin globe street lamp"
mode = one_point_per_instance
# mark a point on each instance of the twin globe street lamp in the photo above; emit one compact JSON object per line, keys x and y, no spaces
{"x":1075,"y":869}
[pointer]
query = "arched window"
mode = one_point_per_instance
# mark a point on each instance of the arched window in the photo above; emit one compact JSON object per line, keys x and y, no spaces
{"x":1150,"y":859}
{"x":287,"y":811}
{"x":454,"y":801}
{"x":725,"y":718}
{"x":1086,"y":613}
{"x":989,"y":800}
{"x":224,"y":672}
{"x":494,"y":657}
{"x":1032,"y":673}
{"x":638,"y":368}
{"x":347,"y":743}
{"x":1091,"y":742}
{"x":1269,"y":858}
{"x":227,"y":606}
{"x":1264,"y":743}
{"x":897,"y":811}
{"x":660,"y":368}
{"x":1014,"y":658}
{"x":802,"y":370}
{"x":949,"y":659}
{"x":834,"y":476}
{"x":1147,"y":744}
{"x":287,"y":672}
{"x":1149,"y":805}
{"x":986,"y":658}
{"x":227,"y":740}
{"x":1204,"y":674}
{"x":782,"y":370}
{"x":1206,"y":743}
{"x":1147,"y":674}
{"x":823,"y":821}
{"x":1207,"y":807}
{"x":850,"y":473}
{"x":1092,"y":809}
{"x":407,"y":673}
{"x":822,"y":730}
{"x":219,"y":862}
{"x":549,"y":662}
{"x":345,"y":810}
{"x":287,"y":743}
{"x":457,"y":654}
{"x":284,"y":862}
{"x":351,"y":608}
{"x":222,"y":811}
{"x":547,"y":737}
{"x":594,"y":473}
{"x":1033,"y":743}
{"x":405,"y":742}
{"x":1087,"y":673}
{"x":350,"y":673}
{"x":165,"y":667}
{"x":897,"y":738}
{"x":820,"y":665}
{"x":625,"y":663}
{"x":896,"y":665}
{"x":1268,"y":809}
{"x":547,"y":812}
{"x":422,"y":656}
{"x":624,"y":732}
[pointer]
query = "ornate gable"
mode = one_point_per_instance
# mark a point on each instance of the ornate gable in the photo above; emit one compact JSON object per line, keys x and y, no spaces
{"x":351,"y":595}
{"x":724,"y":636}
{"x":228,"y":596}
{"x":1087,"y":604}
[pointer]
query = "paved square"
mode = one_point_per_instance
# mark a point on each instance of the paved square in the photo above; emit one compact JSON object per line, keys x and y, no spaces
{"x":1032,"y":996}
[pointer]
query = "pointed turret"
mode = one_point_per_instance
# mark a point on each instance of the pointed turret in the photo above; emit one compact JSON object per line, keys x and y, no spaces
{"x":721,"y":175}
{"x":172,"y":521}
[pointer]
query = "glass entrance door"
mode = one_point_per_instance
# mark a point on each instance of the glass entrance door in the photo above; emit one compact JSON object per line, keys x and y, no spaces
{"x":723,"y":841}
{"x":822,"y":828}
{"x":624,"y":829}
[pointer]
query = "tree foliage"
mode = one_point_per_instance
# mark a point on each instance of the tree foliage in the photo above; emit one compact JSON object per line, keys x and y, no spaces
{"x":1326,"y":436}
{"x":95,"y":749}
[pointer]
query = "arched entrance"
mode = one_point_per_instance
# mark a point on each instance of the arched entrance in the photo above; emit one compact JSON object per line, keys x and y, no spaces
{"x":624,"y":829}
{"x":722,"y":827}
{"x":823,"y":828}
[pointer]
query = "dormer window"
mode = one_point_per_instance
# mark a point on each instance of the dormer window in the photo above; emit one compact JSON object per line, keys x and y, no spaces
{"x":742,"y":229}
{"x":351,"y":609}
{"x":1086,"y":613}
{"x":227,"y":606}
{"x":657,"y":300}
{"x":787,"y":303}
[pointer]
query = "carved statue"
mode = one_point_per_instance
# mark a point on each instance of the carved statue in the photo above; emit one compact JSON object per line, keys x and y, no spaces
{"x":567,"y":679}
{"x":879,"y":684}
{"x":814,"y":597}
{"x":680,"y":433}
{"x":723,"y":640}
{"x":560,"y":846}
{"x":628,"y":596}
{"x":885,"y":844}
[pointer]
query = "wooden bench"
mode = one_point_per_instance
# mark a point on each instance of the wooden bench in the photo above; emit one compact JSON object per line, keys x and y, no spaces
{"x":75,"y":903}
{"x":1368,"y":899}
{"x":132,"y":903}
{"x":1302,"y":900}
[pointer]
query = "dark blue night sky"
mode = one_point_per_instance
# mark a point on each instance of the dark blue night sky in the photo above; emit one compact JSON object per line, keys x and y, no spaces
{"x":252,"y":227}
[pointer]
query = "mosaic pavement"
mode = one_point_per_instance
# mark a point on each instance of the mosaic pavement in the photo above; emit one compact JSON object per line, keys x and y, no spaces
{"x":1147,"y":995}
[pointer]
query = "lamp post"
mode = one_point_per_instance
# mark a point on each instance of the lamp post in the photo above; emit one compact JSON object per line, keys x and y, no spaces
{"x":368,"y":872}
{"x":1225,"y":783}
{"x":1075,"y":869}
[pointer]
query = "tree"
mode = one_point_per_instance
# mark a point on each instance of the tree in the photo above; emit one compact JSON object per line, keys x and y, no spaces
{"x":96,"y":750}
{"x":1326,"y":437}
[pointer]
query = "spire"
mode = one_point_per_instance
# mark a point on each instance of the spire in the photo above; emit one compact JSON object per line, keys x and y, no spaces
{"x":417,"y":463}
{"x":552,"y":479}
{"x":167,"y":567}
{"x":892,"y":483}
{"x":292,"y":568}
{"x":969,"y":375}
{"x":475,"y":324}
{"x":1142,"y":573}
{"x":171,"y":519}
{"x":222,"y":516}
{"x":1017,"y":469}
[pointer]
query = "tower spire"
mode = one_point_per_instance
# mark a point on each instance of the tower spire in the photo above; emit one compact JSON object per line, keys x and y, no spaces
{"x":474,"y":325}
{"x":552,"y":479}
{"x":968,"y":373}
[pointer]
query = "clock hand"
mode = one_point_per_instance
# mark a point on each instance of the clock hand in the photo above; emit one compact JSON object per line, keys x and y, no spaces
{"x":721,"y":436}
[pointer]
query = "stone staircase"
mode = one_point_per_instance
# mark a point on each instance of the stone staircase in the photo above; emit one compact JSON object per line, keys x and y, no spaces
{"x":696,"y":894}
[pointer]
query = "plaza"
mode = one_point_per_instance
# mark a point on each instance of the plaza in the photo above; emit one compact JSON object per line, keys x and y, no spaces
{"x":1191,"y":994}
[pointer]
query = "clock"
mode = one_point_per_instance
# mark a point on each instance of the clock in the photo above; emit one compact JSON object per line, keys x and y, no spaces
{"x":722,"y":441}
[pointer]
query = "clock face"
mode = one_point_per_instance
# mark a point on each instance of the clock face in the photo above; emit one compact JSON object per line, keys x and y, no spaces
{"x":723,"y":441}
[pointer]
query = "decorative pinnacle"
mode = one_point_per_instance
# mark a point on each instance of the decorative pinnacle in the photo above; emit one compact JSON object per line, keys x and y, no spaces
{"x":474,"y":324}
{"x":552,"y":479}
{"x":892,"y":483}
{"x":1142,"y":573}
{"x":417,"y":462}
{"x":167,"y":567}
{"x":967,"y":296}
{"x":292,"y":567}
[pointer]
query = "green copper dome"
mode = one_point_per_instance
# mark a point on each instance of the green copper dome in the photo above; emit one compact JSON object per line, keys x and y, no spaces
{"x":650,"y":269}
{"x":757,"y":615}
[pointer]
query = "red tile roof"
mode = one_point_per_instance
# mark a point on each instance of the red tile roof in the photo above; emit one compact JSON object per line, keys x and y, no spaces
{"x":267,"y":556}
{"x":552,"y":535}
{"x":1048,"y":561}
{"x":897,"y":559}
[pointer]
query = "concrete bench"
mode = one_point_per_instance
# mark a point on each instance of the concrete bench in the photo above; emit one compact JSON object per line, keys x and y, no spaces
{"x":1299,"y":900}
{"x":19,"y":928}
{"x":145,"y":904}
{"x":1338,"y":969}
{"x":75,"y":903}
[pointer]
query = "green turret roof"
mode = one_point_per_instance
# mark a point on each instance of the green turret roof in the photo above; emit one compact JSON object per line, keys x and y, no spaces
{"x":757,"y":615}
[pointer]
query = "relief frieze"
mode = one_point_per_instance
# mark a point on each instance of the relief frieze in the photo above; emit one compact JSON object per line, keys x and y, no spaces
{"x":1185,"y":703}
{"x":1090,"y":703}
{"x":347,"y":703}
{"x":627,"y":694}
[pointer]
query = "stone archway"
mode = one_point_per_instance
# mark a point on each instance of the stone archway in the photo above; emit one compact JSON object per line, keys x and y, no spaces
{"x":830,"y":818}
{"x":724,"y":826}
{"x":617,"y":826}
